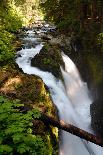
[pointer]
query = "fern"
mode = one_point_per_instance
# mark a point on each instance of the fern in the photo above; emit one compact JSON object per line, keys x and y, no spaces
{"x":16,"y":130}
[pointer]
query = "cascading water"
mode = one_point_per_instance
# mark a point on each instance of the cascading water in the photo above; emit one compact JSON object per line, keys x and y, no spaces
{"x":72,"y":100}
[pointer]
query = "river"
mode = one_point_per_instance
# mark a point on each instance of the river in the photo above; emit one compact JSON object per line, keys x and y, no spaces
{"x":71,"y":98}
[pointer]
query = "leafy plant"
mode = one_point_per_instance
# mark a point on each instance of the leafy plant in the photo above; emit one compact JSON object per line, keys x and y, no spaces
{"x":12,"y":21}
{"x":6,"y":48}
{"x":100,"y":38}
{"x":16,"y":130}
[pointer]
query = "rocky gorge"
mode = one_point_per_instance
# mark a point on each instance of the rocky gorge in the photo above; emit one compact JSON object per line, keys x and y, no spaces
{"x":89,"y":64}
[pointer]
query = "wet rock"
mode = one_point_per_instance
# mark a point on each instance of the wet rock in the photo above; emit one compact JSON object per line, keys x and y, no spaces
{"x":96,"y":110}
{"x":46,"y":38}
{"x":24,"y":28}
{"x":17,"y":55}
{"x":49,"y":59}
{"x":61,"y":40}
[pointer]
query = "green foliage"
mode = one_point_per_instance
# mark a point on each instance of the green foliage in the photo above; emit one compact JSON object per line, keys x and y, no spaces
{"x":19,"y":2}
{"x":95,"y":64}
{"x":12,"y":14}
{"x":6,"y":49}
{"x":16,"y":130}
{"x":74,"y":14}
{"x":68,"y":25}
{"x":12,"y":22}
{"x":46,"y":61}
{"x":60,"y":12}
{"x":100,"y":38}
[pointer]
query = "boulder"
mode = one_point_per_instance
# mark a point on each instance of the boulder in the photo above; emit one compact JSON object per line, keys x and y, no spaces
{"x":49,"y":59}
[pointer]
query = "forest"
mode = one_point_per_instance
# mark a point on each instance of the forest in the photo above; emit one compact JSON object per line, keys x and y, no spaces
{"x":32,"y":110}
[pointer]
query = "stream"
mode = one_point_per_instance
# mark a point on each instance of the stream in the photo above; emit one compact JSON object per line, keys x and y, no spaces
{"x":71,"y":98}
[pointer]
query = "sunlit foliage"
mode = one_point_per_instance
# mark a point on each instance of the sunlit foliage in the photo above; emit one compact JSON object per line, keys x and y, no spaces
{"x":10,"y":22}
{"x":6,"y":49}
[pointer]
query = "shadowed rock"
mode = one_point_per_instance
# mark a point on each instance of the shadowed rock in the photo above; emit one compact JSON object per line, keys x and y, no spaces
{"x":96,"y":110}
{"x":49,"y":59}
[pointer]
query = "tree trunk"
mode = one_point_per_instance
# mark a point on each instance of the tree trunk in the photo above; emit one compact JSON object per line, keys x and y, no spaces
{"x":72,"y":129}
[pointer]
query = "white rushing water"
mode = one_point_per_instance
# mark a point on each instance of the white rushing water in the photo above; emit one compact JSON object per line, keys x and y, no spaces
{"x":72,"y":100}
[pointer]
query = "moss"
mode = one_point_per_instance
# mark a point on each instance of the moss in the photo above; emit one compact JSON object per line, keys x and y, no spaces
{"x":31,"y":91}
{"x":96,"y":67}
{"x":28,"y":88}
{"x":49,"y":59}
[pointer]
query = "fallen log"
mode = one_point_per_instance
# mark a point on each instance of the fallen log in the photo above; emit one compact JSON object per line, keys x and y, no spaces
{"x":72,"y":129}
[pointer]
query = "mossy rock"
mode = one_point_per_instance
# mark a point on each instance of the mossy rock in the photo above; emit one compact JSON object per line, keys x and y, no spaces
{"x":30,"y":89}
{"x":49,"y":59}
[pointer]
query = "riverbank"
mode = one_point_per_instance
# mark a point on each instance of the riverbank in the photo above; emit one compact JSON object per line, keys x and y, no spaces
{"x":31,"y":92}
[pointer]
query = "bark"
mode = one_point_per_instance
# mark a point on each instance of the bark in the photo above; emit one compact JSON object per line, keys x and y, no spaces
{"x":94,"y":10}
{"x":72,"y":129}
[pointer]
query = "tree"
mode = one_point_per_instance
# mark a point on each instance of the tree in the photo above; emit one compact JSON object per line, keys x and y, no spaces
{"x":73,"y":12}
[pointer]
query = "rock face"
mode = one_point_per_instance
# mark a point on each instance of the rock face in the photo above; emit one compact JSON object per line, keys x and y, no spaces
{"x":29,"y":89}
{"x":49,"y":59}
{"x":97,"y":116}
{"x":90,"y":66}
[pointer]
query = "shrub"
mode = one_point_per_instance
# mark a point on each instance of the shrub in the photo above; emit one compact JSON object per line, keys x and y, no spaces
{"x":16,"y":134}
{"x":6,"y":49}
{"x":12,"y":21}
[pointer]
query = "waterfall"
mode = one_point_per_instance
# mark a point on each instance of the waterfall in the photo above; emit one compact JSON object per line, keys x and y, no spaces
{"x":78,"y":94}
{"x":72,"y":100}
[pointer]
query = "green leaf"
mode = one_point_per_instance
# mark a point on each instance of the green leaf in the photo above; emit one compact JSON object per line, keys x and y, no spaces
{"x":5,"y":148}
{"x":36,"y":113}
